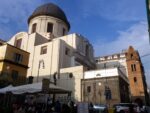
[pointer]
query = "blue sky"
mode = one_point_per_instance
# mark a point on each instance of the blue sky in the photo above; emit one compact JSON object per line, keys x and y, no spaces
{"x":110,"y":25}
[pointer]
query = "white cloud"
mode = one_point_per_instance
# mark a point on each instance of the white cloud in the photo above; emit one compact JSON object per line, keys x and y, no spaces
{"x":136,"y":35}
{"x":14,"y":15}
{"x":14,"y":10}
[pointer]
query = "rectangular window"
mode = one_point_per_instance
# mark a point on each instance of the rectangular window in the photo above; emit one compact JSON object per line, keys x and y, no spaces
{"x":18,"y":57}
{"x":135,"y":79}
{"x":18,"y":43}
{"x":89,"y":89}
{"x":43,"y":50}
{"x":67,"y":51}
{"x":87,"y":50}
{"x":50,"y":27}
{"x":14,"y":74}
{"x":34,"y":28}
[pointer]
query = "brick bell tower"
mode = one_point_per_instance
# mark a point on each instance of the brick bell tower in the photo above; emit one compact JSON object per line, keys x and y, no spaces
{"x":136,"y":76}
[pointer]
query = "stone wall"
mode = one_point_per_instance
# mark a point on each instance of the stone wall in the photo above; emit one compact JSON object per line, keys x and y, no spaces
{"x":93,"y":90}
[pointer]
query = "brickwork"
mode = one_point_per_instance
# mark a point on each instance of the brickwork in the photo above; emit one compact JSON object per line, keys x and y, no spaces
{"x":96,"y":92}
{"x":135,"y":74}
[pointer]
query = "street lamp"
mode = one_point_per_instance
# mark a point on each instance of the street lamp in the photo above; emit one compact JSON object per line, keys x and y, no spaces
{"x":100,"y":91}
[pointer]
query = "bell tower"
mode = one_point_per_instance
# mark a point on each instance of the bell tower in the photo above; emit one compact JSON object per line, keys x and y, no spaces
{"x":136,"y":76}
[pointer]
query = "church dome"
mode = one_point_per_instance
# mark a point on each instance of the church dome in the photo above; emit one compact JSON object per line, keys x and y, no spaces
{"x":50,"y":9}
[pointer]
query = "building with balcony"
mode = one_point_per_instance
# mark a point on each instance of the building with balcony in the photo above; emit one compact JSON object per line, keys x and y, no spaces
{"x":13,"y":65}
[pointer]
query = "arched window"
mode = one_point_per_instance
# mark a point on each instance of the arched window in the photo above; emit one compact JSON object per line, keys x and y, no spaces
{"x":135,"y":79}
{"x":131,"y":56}
{"x":63,"y":31}
{"x":34,"y":28}
{"x":49,"y":27}
{"x":18,"y":43}
{"x":133,"y":67}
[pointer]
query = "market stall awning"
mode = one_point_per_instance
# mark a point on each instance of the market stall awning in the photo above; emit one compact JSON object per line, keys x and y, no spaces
{"x":5,"y":89}
{"x":34,"y":88}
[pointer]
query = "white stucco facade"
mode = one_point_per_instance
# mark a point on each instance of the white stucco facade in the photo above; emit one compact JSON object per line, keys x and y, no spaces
{"x":55,"y":58}
{"x":42,"y":22}
{"x":117,"y":60}
{"x":72,"y":82}
{"x":104,"y":73}
{"x":52,"y":50}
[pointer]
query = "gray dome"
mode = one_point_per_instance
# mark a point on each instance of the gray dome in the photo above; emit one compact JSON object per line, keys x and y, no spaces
{"x":50,"y":9}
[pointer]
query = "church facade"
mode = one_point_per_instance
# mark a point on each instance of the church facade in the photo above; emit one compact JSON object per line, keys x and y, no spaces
{"x":52,"y":50}
{"x":64,"y":58}
{"x":49,"y":45}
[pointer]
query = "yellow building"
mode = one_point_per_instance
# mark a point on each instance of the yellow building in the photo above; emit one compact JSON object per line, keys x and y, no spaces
{"x":13,"y":65}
